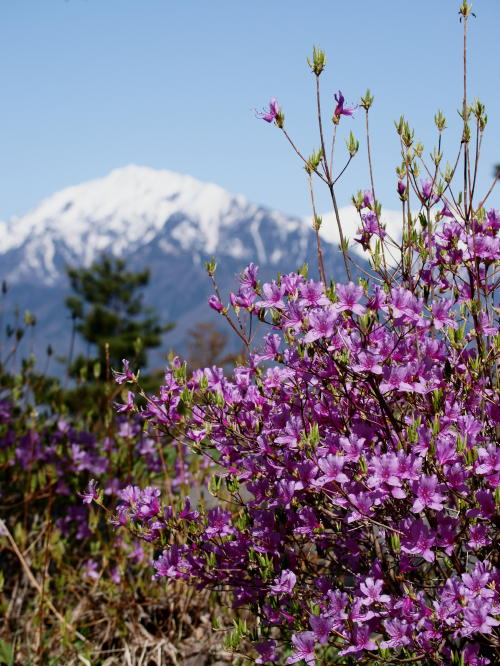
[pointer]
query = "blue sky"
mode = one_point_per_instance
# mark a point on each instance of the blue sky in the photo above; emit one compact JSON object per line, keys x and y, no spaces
{"x":91,"y":85}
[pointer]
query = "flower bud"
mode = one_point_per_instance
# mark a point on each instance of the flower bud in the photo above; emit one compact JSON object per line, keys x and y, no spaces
{"x":367,"y":100}
{"x":402,"y":190}
{"x":357,"y":200}
{"x":465,"y":9}
{"x":211,"y":266}
{"x":318,"y":61}
{"x":440,"y":121}
{"x":399,"y":125}
{"x":314,"y":161}
{"x":407,"y":134}
{"x":466,"y":133}
{"x":352,"y":145}
{"x":280,"y":119}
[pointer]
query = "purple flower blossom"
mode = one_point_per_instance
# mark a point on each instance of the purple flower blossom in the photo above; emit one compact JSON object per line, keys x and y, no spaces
{"x":124,"y":376}
{"x":273,"y":296}
{"x":91,"y":493}
{"x":486,"y":503}
{"x":440,"y":310}
{"x":405,"y":305}
{"x":367,"y":198}
{"x":418,"y":539}
{"x":90,"y":570}
{"x":173,"y":563}
{"x":352,"y":446}
{"x":266,"y":650}
{"x":248,"y":277}
{"x":488,"y":460}
{"x":372,"y":588}
{"x":362,"y":503}
{"x":285,"y":583}
{"x":367,"y":362}
{"x":478,"y":536}
{"x":348,"y":298}
{"x":271,"y":346}
{"x":428,"y":494}
{"x":360,"y":640}
{"x":427,"y":186}
{"x":321,"y":626}
{"x":340,"y":109}
{"x":128,"y":406}
{"x":321,"y":324}
{"x":331,"y":466}
{"x":186,"y":513}
{"x":313,"y":294}
{"x":476,"y":581}
{"x":292,"y":319}
{"x":270,"y":114}
{"x":147,"y":503}
{"x":384,"y":471}
{"x":308,"y":521}
{"x":399,"y":632}
{"x":219,"y":523}
{"x":215,"y":304}
{"x":304,"y":648}
{"x":477,"y":618}
{"x":115,"y":575}
{"x":446,"y":212}
{"x":485,"y":325}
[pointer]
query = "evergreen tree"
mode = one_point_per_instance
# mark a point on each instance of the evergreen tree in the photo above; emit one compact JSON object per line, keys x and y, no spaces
{"x":111,"y":316}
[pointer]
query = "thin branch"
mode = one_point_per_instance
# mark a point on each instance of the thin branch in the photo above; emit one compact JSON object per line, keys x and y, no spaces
{"x":321,"y":265}
{"x":341,"y":233}
{"x":320,"y":125}
{"x":306,"y":162}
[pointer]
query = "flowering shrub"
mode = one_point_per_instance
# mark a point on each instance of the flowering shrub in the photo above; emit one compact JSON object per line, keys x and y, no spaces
{"x":355,"y":456}
{"x":72,"y":589}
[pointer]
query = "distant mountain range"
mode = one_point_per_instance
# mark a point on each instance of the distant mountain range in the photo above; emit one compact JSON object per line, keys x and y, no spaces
{"x":169,"y":222}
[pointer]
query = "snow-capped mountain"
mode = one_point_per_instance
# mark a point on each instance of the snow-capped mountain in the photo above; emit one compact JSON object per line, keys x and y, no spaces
{"x":131,"y":208}
{"x":167,"y":221}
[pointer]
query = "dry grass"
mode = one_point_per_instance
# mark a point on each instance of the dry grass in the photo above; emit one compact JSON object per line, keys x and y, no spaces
{"x":50,"y":616}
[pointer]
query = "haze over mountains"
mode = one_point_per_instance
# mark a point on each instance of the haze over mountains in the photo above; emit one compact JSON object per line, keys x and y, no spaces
{"x":167,"y":221}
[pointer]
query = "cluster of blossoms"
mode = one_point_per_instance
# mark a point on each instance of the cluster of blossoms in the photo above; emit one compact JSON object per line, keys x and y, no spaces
{"x":355,"y":456}
{"x":51,"y":457}
{"x":364,"y":465}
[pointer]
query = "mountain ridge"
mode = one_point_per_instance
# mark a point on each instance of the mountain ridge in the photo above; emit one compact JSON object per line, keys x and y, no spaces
{"x":169,"y":222}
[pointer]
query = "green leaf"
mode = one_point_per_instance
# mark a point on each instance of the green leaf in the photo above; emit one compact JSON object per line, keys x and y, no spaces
{"x":6,"y":653}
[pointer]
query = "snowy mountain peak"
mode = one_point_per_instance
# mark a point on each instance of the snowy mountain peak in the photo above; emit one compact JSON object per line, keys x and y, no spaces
{"x":135,"y":207}
{"x":124,"y":210}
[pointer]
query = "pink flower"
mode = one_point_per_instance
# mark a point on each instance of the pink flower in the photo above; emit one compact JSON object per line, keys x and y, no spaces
{"x":90,"y":570}
{"x":321,"y":627}
{"x":273,"y":296}
{"x":428,"y":494}
{"x":215,"y":304}
{"x":285,"y":583}
{"x":304,"y":648}
{"x":124,"y":376}
{"x":440,"y":310}
{"x":269,"y":115}
{"x":349,"y":295}
{"x":340,"y":109}
{"x":91,"y":493}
